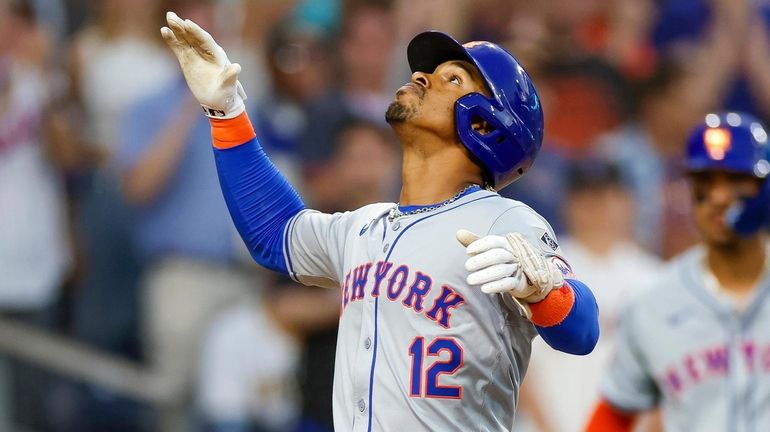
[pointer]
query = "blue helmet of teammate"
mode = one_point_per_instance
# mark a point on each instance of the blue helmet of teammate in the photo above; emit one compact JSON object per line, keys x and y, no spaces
{"x":734,"y":142}
{"x":512,"y":111}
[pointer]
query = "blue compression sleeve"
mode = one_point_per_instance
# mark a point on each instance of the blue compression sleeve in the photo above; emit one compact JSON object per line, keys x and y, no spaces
{"x":579,"y":331}
{"x":260,"y":199}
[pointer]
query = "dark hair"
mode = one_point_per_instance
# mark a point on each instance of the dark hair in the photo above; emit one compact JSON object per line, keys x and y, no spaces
{"x":591,"y":174}
{"x":354,"y":123}
{"x":23,"y":9}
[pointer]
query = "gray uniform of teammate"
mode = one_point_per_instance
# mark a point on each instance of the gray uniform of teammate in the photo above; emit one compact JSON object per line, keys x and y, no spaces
{"x":418,"y":348}
{"x":683,"y":347}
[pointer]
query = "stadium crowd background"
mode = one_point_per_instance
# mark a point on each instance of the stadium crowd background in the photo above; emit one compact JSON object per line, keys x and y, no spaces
{"x":113,"y":232}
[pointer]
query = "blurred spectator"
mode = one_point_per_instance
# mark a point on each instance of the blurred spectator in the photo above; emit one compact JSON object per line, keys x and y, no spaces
{"x":297,"y":117}
{"x":363,"y":169}
{"x":648,"y":150}
{"x":181,"y":230}
{"x":683,"y":25}
{"x":583,"y":98}
{"x":34,"y":244}
{"x":544,"y":186}
{"x":415,"y":16}
{"x":35,"y":249}
{"x":599,"y":212}
{"x":248,"y":367}
{"x":115,"y":60}
{"x":614,"y":30}
{"x":118,"y":59}
{"x":367,"y":47}
{"x":244,"y":27}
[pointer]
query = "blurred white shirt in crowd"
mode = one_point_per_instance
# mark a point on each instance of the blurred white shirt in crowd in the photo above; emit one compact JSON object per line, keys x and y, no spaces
{"x":116,"y":73}
{"x":248,"y":370}
{"x":34,"y":250}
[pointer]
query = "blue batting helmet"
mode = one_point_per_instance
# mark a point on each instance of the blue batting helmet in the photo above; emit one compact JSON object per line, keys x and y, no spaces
{"x":512,"y":110}
{"x":732,"y":141}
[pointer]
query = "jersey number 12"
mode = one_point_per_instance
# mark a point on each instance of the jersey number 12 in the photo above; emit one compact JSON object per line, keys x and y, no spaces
{"x":439,"y":367}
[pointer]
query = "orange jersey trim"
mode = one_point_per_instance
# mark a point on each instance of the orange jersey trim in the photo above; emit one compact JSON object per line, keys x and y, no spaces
{"x":607,"y":418}
{"x":554,"y":308}
{"x":228,"y":133}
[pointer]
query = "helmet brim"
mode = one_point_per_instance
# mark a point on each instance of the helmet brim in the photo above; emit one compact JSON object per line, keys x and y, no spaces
{"x":429,"y":49}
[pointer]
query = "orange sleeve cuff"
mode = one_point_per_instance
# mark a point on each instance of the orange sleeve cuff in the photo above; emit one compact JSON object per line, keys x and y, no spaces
{"x":228,"y":133}
{"x":607,"y":418}
{"x":554,"y":308}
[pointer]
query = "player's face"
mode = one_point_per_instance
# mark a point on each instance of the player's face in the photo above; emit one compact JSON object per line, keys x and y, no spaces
{"x":714,"y":192}
{"x":428,"y":100}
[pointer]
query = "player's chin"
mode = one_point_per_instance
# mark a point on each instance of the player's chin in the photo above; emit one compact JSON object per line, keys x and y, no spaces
{"x":723,"y":238}
{"x":398,"y":112}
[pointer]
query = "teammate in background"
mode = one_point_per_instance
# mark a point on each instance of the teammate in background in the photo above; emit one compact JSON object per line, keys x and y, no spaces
{"x":433,"y":334}
{"x":598,"y":211}
{"x":697,"y":345}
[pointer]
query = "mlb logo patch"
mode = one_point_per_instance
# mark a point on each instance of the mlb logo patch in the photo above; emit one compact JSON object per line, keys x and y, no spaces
{"x":551,"y":243}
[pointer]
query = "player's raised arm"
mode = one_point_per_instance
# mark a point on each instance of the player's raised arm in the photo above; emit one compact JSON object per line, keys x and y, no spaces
{"x":260,"y":200}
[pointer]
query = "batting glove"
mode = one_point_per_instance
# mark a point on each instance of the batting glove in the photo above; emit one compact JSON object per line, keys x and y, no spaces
{"x":509,"y":265}
{"x":211,"y":77}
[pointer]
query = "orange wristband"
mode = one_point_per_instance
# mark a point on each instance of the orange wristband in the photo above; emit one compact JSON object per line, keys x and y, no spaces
{"x":228,"y":133}
{"x":554,"y":308}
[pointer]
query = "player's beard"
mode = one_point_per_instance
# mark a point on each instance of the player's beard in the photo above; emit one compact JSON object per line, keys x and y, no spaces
{"x":399,"y":112}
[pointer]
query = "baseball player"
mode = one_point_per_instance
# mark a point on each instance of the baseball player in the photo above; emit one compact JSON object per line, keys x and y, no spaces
{"x":436,"y":320}
{"x":698,"y":344}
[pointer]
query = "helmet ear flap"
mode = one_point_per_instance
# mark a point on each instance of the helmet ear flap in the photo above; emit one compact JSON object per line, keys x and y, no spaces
{"x":496,"y":148}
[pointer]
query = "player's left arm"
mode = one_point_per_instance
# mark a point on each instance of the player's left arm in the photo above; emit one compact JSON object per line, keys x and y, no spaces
{"x":260,"y":200}
{"x":523,"y":266}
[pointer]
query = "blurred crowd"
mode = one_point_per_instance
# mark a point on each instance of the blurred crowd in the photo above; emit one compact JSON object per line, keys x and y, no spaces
{"x":113,"y":230}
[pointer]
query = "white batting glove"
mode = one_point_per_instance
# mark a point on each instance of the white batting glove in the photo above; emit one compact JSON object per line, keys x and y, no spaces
{"x":211,"y":77}
{"x":509,"y":265}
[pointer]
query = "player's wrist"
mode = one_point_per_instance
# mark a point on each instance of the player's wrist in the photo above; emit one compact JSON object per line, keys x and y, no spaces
{"x":231,"y":106}
{"x":554,"y":307}
{"x":231,"y":132}
{"x":224,"y":114}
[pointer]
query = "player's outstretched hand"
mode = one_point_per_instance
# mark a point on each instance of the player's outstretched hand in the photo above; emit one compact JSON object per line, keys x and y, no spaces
{"x":510,"y":265}
{"x":211,"y":77}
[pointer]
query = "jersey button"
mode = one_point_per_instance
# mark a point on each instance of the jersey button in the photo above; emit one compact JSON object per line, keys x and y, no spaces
{"x":368,"y":343}
{"x":396,"y":226}
{"x":385,"y":248}
{"x":361,"y":405}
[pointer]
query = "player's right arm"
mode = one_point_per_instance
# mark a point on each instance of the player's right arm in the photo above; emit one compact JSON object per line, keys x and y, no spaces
{"x":261,"y":201}
{"x":628,"y":389}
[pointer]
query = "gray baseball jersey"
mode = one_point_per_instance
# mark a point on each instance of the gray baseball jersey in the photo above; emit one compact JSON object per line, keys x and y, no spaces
{"x":682,"y":347}
{"x":418,"y":348}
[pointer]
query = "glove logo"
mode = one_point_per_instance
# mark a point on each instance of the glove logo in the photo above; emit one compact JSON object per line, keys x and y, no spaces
{"x":551,"y":243}
{"x":211,"y":112}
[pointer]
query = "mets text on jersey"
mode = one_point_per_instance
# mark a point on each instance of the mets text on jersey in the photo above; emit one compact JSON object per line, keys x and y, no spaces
{"x":390,"y":281}
{"x":712,"y":363}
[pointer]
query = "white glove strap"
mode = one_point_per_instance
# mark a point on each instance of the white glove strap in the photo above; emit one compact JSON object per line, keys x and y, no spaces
{"x":540,"y":272}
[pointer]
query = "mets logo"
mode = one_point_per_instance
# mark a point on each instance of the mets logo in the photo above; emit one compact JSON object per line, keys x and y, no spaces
{"x":563,"y":267}
{"x":717,"y":141}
